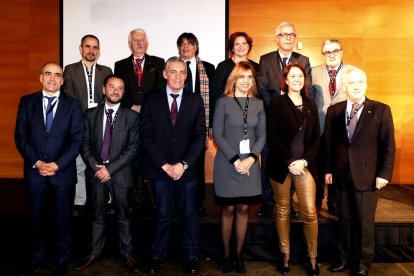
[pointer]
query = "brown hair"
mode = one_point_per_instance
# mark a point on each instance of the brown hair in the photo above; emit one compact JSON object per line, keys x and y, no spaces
{"x":283,"y":85}
{"x":232,"y":40}
{"x":240,"y":68}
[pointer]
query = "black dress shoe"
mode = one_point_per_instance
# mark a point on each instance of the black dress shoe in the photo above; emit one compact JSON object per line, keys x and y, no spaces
{"x":131,"y":264}
{"x":239,"y":265}
{"x":339,"y":267}
{"x":360,"y":272}
{"x":192,"y":266}
{"x":313,"y":271}
{"x":84,"y":264}
{"x":61,"y":270}
{"x":154,"y":266}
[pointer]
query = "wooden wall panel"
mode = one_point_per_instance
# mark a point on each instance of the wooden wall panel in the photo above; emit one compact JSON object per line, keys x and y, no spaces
{"x":376,"y":36}
{"x":29,"y":37}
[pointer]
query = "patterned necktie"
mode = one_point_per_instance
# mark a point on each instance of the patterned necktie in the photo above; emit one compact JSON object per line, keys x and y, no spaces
{"x":138,"y":69}
{"x":353,"y":122}
{"x":189,"y":79}
{"x":107,"y":136}
{"x":49,"y":112}
{"x":332,"y":82}
{"x":284,"y":60}
{"x":174,"y":109}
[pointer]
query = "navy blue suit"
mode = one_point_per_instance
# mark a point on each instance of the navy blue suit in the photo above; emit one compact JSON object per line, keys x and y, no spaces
{"x":61,"y":145}
{"x":164,"y":143}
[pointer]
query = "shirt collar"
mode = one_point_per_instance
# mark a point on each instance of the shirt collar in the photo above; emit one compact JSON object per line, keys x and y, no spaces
{"x":169,"y":91}
{"x":56,"y":94}
{"x":115,"y":107}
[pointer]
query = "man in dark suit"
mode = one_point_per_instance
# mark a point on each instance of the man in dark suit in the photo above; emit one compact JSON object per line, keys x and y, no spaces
{"x":83,"y":81}
{"x":360,"y":158}
{"x":142,"y":74}
{"x":110,"y":146}
{"x":173,"y":133}
{"x":199,"y":80}
{"x":268,"y":81}
{"x":48,"y":135}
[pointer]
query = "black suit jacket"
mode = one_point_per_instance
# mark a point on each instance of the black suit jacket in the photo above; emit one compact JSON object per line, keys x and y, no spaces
{"x":75,"y":85}
{"x":270,"y":74}
{"x":124,"y":148}
{"x":164,"y":143}
{"x":372,"y":151}
{"x":152,"y":78}
{"x":283,"y":123}
{"x":61,"y":145}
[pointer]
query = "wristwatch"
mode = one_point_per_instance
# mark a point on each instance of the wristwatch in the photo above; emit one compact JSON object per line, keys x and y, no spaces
{"x":185,"y":165}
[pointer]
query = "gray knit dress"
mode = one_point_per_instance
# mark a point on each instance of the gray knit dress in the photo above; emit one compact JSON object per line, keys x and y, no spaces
{"x":228,"y":126}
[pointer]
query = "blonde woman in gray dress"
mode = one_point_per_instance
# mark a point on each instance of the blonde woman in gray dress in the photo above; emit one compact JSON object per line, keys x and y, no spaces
{"x":239,"y":130}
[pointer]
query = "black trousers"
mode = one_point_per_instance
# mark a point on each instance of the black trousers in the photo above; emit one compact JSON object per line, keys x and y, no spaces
{"x":356,"y":211}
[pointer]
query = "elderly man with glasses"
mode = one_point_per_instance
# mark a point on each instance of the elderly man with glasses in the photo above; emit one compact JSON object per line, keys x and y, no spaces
{"x":327,"y":90}
{"x":270,"y":74}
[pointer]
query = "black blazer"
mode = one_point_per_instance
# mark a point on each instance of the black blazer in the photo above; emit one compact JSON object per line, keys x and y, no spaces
{"x":75,"y":83}
{"x":61,"y":145}
{"x":124,"y":148}
{"x":152,"y":78}
{"x":163,"y":143}
{"x":283,"y":123}
{"x":270,"y":74}
{"x":372,"y":151}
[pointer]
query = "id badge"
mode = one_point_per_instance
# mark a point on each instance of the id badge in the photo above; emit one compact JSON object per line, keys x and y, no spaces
{"x":244,"y":146}
{"x":91,"y":105}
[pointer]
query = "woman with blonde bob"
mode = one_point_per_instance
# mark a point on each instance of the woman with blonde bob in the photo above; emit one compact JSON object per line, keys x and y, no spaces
{"x":239,"y":130}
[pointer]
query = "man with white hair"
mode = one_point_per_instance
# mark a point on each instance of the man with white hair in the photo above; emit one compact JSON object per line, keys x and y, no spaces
{"x":142,"y":74}
{"x":360,"y":154}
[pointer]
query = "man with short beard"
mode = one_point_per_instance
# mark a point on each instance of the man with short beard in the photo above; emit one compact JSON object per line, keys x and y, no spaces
{"x":84,"y":82}
{"x":110,"y":147}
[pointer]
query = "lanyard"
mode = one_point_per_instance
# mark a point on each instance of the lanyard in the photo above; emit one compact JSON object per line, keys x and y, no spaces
{"x":246,"y":108}
{"x":350,"y":116}
{"x":90,"y":75}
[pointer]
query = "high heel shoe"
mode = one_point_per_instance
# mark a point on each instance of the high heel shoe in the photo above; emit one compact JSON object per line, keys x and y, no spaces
{"x":313,"y":271}
{"x":239,"y":265}
{"x":284,"y":269}
{"x":227,"y":265}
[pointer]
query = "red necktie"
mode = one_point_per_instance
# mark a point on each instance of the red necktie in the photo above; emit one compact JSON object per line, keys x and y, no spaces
{"x":332,"y":82}
{"x":174,"y":109}
{"x":138,"y":69}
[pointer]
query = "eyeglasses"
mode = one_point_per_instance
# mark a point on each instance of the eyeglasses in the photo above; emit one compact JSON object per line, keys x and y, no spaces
{"x":287,"y":35}
{"x":333,"y":53}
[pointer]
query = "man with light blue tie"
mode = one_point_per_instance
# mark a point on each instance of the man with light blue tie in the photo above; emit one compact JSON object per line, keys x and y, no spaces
{"x":48,"y":135}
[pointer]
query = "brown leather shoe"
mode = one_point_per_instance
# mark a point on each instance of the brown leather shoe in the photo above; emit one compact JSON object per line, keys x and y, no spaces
{"x":86,"y":263}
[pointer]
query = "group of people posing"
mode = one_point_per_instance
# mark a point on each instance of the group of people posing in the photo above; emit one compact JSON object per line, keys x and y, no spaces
{"x":280,"y":127}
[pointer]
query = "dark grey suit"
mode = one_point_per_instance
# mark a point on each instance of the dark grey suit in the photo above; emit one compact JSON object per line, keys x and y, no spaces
{"x":354,"y":168}
{"x":270,"y":74}
{"x":75,"y":83}
{"x":123,"y":151}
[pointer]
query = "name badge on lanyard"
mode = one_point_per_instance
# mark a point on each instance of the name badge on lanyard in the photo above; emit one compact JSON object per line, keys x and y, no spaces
{"x":245,"y":143}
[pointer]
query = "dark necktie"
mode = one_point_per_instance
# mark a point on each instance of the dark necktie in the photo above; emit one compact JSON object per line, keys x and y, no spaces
{"x":189,"y":79}
{"x":284,"y":60}
{"x":353,"y":122}
{"x":138,"y":69}
{"x":49,"y":112}
{"x":332,"y":82}
{"x":107,"y":136}
{"x":174,"y":109}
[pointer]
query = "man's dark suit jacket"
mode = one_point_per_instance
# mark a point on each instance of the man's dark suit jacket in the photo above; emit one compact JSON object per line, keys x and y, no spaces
{"x":124,"y":148}
{"x":61,"y":145}
{"x":75,"y":83}
{"x":270,"y":74}
{"x":283,"y":123}
{"x":372,"y":151}
{"x":152,"y":78}
{"x":164,"y":143}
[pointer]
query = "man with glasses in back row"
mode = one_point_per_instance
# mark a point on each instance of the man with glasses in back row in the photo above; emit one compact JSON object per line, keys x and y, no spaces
{"x":269,"y":76}
{"x":327,"y":90}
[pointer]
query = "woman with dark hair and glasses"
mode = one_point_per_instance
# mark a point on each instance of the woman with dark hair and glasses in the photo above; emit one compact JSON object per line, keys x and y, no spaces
{"x":293,"y":138}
